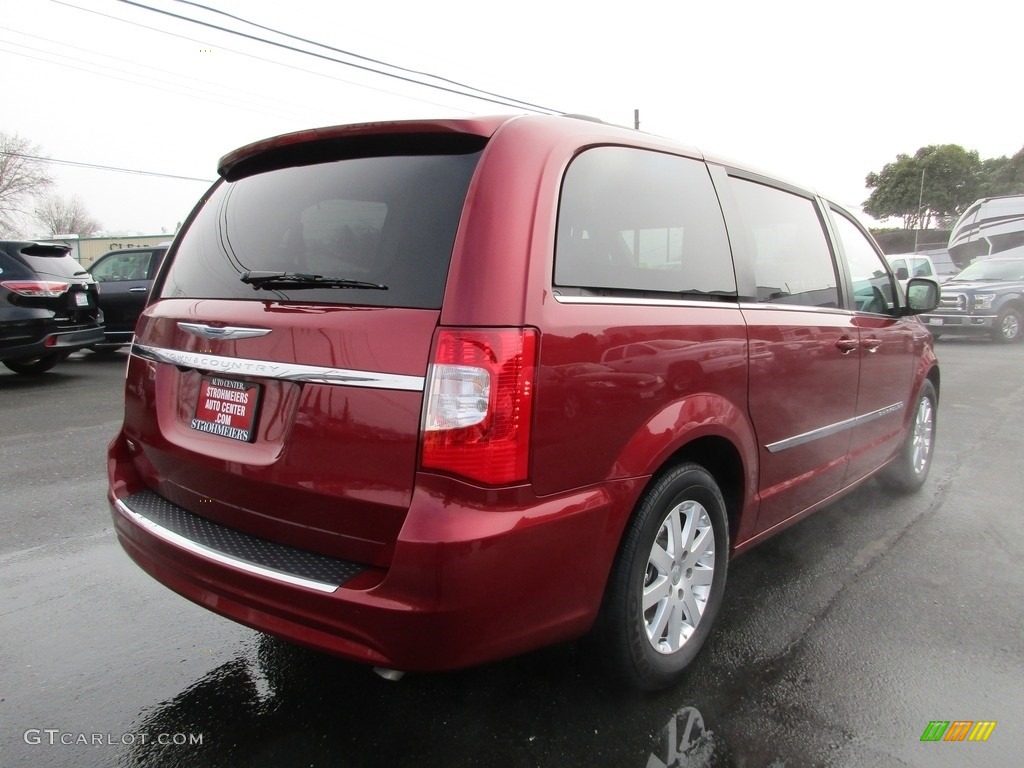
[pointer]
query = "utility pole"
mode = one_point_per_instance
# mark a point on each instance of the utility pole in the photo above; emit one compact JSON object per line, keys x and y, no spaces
{"x":920,"y":200}
{"x":636,"y":119}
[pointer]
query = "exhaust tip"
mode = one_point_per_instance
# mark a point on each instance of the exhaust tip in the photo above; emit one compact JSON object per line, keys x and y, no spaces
{"x":394,"y":675}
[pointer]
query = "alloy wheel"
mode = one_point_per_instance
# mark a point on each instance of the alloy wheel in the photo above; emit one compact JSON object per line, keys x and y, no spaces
{"x":924,"y":429}
{"x":677,"y":583}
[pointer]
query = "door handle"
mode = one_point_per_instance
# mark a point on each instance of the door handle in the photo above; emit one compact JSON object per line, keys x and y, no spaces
{"x":871,"y":344}
{"x":846,"y":345}
{"x":136,"y":290}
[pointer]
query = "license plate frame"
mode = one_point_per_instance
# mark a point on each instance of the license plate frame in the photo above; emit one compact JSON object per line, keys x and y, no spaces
{"x":227,"y":408}
{"x":934,"y":321}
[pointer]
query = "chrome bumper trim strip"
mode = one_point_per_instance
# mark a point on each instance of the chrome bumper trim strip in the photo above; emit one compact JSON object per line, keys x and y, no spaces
{"x":274,"y":370}
{"x":219,"y":557}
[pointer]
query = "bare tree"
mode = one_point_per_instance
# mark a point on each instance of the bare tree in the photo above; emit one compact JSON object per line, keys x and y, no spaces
{"x":23,"y":177}
{"x":65,"y":216}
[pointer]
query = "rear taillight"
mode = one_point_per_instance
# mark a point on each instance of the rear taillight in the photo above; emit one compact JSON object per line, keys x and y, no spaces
{"x":39,"y":289}
{"x":479,"y":403}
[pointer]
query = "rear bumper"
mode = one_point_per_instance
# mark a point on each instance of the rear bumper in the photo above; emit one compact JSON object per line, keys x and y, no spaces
{"x":53,"y":341}
{"x":470,"y":581}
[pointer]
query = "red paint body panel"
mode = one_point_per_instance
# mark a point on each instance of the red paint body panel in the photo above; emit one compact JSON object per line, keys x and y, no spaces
{"x":288,"y":485}
{"x":800,"y":381}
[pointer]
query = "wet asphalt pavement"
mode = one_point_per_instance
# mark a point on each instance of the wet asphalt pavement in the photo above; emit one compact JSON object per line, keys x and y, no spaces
{"x":839,"y":640}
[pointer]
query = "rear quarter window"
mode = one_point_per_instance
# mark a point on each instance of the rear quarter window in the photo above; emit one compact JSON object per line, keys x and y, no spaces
{"x":384,"y":220}
{"x":634,"y":220}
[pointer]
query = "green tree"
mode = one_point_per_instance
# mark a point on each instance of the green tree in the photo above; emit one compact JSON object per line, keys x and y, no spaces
{"x":1003,"y":175}
{"x":939,"y":181}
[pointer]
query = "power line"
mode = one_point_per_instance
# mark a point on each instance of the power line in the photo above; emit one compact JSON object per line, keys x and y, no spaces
{"x":178,"y":88}
{"x":253,"y":56}
{"x":505,"y":103}
{"x":366,"y":58}
{"x":285,"y":108}
{"x":96,"y":166}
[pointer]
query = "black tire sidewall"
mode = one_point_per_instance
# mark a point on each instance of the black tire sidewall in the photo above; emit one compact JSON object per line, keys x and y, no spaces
{"x":34,"y":365}
{"x":900,"y":475}
{"x":649,"y":668}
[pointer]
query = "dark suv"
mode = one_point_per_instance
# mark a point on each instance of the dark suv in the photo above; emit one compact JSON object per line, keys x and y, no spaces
{"x":48,"y":306}
{"x":126,"y":277}
{"x":427,"y":394}
{"x":986,"y":298}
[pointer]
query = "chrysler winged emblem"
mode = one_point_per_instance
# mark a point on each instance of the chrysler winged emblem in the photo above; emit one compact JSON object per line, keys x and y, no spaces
{"x":222,"y":332}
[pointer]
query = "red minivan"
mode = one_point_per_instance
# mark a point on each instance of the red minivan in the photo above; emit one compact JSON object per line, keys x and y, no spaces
{"x":429,"y":394}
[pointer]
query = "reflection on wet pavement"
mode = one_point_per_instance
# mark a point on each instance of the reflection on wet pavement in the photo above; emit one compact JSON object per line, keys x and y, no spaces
{"x":684,"y":742}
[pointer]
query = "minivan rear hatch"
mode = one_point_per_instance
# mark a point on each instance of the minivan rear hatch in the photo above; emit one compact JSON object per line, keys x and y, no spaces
{"x":276,"y":380}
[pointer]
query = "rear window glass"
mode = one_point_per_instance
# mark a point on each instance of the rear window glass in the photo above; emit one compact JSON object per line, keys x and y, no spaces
{"x":381,"y":220}
{"x":635,"y":220}
{"x":53,"y":263}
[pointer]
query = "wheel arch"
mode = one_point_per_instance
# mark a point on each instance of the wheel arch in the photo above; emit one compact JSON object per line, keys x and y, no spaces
{"x":1011,"y":301}
{"x":935,"y":378}
{"x":707,"y":430}
{"x":724,"y":463}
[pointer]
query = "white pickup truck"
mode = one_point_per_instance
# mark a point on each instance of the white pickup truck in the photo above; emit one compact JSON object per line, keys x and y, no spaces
{"x":937,"y":266}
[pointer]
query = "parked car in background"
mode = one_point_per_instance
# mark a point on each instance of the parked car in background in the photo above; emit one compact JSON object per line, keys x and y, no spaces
{"x":908,"y":265}
{"x":48,"y":306}
{"x":986,"y":298}
{"x":936,"y":265}
{"x":428,"y":394}
{"x":125,"y":277}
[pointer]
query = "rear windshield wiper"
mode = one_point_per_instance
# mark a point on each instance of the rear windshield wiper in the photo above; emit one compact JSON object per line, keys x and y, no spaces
{"x":298,"y":280}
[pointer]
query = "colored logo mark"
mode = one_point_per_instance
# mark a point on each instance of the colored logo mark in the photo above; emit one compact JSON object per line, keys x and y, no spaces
{"x":958,"y":730}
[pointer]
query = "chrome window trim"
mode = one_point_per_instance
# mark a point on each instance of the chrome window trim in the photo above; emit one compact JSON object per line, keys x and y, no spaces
{"x":764,"y":306}
{"x":276,"y":370}
{"x":730,"y":301}
{"x":831,"y":429}
{"x":219,"y":557}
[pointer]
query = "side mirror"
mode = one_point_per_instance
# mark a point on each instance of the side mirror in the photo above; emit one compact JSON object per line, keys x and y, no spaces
{"x":922,"y":295}
{"x":902,"y":273}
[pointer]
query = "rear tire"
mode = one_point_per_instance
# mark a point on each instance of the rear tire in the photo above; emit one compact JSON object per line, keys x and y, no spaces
{"x":909,"y":470}
{"x":33,"y":365}
{"x":104,"y":351}
{"x":668,"y":580}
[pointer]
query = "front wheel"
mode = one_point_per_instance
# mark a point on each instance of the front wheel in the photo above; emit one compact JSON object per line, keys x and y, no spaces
{"x":909,"y":470}
{"x":1008,"y":328}
{"x":33,"y":365}
{"x":669,"y":578}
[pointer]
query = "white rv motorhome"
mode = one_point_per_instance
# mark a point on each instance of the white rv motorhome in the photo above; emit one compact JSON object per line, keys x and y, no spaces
{"x":990,"y":226}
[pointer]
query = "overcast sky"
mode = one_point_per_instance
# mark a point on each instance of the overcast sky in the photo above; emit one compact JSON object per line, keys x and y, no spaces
{"x":819,"y":92}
